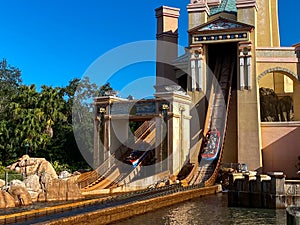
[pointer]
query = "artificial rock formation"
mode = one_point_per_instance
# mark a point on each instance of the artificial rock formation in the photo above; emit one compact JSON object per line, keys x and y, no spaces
{"x":6,"y":200}
{"x":33,"y":186}
{"x":59,"y":189}
{"x":29,"y":166}
{"x":2,"y":183}
{"x":18,"y":191}
{"x":41,"y":183}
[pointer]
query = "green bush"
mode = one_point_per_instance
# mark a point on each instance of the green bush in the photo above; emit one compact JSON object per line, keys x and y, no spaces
{"x":58,"y":167}
{"x":2,"y":168}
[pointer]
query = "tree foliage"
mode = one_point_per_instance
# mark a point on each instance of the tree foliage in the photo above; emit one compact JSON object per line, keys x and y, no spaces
{"x":42,"y":121}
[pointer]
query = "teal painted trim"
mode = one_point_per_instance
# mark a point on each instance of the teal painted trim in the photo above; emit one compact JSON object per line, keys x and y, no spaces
{"x":228,"y":6}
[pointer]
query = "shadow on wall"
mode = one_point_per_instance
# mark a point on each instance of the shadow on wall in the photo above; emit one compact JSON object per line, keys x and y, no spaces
{"x":274,"y":108}
{"x":281,"y":148}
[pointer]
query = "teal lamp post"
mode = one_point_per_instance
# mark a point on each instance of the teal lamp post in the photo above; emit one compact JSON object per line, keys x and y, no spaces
{"x":26,"y":145}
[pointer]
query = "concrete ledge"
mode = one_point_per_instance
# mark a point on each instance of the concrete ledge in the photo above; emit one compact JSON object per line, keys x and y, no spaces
{"x":16,"y":217}
{"x":293,"y":215}
{"x":114,"y":214}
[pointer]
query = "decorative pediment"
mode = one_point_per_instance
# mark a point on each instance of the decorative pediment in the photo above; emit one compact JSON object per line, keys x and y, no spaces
{"x":220,"y":24}
{"x":220,"y":30}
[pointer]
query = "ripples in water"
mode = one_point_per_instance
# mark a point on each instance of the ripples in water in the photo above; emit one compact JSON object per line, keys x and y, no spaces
{"x":208,"y":210}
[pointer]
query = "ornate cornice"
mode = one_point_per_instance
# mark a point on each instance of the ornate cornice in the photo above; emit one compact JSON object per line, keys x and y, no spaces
{"x":167,"y":11}
{"x":198,"y":6}
{"x":246,"y":4}
{"x":213,"y":2}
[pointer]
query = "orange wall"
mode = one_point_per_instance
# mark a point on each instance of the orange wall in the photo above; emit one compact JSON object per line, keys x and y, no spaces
{"x":281,"y":147}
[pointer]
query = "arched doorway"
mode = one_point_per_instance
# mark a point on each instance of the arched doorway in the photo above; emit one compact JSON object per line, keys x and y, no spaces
{"x":278,"y":88}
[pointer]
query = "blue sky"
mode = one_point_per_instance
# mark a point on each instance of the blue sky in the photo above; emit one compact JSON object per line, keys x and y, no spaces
{"x":55,"y":41}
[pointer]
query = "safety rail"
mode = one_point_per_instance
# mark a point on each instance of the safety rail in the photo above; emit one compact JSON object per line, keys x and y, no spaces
{"x":87,"y":180}
{"x":127,"y":175}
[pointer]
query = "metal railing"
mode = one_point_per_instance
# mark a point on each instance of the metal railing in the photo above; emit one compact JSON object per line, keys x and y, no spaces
{"x":7,"y":177}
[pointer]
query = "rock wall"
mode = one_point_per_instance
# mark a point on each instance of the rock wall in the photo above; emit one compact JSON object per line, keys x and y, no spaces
{"x":6,"y":200}
{"x":41,"y":183}
{"x":29,"y":166}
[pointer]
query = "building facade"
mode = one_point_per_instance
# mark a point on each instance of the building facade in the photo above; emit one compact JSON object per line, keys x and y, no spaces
{"x":243,"y":36}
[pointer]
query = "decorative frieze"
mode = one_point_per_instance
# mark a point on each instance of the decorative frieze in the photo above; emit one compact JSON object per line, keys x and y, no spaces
{"x":221,"y":30}
{"x":239,"y":36}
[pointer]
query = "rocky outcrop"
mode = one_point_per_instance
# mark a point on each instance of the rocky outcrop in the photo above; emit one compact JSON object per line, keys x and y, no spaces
{"x":64,"y":174}
{"x":33,"y":186}
{"x":6,"y":200}
{"x":59,"y":189}
{"x":41,"y":183}
{"x":2,"y":183}
{"x":20,"y":195}
{"x":30,"y":166}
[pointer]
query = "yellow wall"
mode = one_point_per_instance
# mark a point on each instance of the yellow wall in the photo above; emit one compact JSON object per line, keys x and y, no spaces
{"x":267,"y":24}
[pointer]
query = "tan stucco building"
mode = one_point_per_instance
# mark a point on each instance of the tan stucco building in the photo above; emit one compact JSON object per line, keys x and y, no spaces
{"x":246,"y":32}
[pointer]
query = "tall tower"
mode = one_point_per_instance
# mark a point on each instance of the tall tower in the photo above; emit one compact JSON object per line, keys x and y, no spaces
{"x":166,"y":49}
{"x":218,"y":26}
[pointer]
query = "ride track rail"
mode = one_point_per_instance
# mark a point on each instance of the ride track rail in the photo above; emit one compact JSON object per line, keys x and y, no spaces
{"x":87,"y":206}
{"x":203,"y":172}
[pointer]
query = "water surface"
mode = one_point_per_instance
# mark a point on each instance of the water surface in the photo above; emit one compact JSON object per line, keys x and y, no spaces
{"x":208,"y":210}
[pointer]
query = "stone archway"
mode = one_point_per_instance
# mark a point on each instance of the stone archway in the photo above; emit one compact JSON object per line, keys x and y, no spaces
{"x":282,"y":70}
{"x":296,"y":89}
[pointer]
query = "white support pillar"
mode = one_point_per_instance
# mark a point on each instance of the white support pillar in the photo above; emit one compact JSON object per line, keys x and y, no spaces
{"x":245,"y":65}
{"x":248,"y":59}
{"x":197,"y":68}
{"x":200,"y":73}
{"x":193,"y":72}
{"x":242,"y":75}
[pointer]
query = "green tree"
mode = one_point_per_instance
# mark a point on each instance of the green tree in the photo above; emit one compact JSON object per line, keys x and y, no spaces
{"x":10,"y":80}
{"x":29,"y":121}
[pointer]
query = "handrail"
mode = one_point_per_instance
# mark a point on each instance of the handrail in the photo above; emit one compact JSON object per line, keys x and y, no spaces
{"x":100,"y":171}
{"x":137,"y":168}
{"x":130,"y":172}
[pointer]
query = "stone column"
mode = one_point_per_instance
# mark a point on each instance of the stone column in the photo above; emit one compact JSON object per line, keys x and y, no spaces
{"x":245,"y":78}
{"x":296,"y":101}
{"x":248,"y":124}
{"x":296,"y":98}
{"x":277,"y":192}
{"x":112,"y":132}
{"x":178,"y":128}
{"x":101,"y":107}
{"x":97,"y":127}
{"x":197,"y":69}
